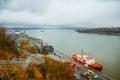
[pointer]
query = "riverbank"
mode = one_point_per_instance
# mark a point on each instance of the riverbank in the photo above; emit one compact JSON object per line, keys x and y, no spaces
{"x":70,"y":42}
{"x":38,"y":63}
{"x":59,"y":56}
{"x":37,"y":40}
{"x":102,"y":31}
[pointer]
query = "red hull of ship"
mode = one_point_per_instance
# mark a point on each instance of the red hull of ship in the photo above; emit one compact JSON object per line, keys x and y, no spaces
{"x":82,"y":61}
{"x":96,"y":66}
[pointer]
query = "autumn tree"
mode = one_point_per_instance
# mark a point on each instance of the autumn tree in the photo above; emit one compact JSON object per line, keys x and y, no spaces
{"x":31,"y":49}
{"x":10,"y":43}
{"x":50,"y":70}
{"x":56,"y":70}
{"x":7,"y":41}
{"x":5,"y":55}
{"x":24,"y":43}
{"x":7,"y":44}
{"x":2,"y":37}
{"x":13,"y":72}
{"x":34,"y":73}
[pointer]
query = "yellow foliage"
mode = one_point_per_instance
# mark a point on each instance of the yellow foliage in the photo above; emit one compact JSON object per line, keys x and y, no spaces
{"x":34,"y":72}
{"x":32,"y":49}
{"x":50,"y":70}
{"x":25,"y":41}
{"x":12,"y":72}
{"x":38,"y":74}
{"x":22,"y":54}
{"x":57,"y":70}
{"x":5,"y":55}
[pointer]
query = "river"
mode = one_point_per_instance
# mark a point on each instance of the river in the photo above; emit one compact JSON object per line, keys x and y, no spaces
{"x":105,"y":48}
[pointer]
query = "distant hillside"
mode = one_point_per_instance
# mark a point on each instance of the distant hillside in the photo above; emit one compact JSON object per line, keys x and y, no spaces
{"x":29,"y":27}
{"x":106,"y":31}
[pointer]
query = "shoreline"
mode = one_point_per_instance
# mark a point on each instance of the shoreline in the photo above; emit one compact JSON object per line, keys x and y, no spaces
{"x":61,"y":56}
{"x":36,"y":39}
{"x":100,"y":31}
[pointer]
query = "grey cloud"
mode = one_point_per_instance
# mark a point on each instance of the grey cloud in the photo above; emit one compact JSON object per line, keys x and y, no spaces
{"x":3,"y":4}
{"x":108,"y":0}
{"x":60,"y":12}
{"x":25,"y":5}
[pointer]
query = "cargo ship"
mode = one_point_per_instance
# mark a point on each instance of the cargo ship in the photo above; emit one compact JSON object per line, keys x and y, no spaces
{"x":87,"y":61}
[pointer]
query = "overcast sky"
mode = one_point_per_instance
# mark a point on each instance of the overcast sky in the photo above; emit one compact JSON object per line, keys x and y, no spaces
{"x":61,"y":12}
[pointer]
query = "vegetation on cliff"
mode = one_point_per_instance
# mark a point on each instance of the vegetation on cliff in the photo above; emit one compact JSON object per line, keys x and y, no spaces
{"x":50,"y":70}
{"x":7,"y":45}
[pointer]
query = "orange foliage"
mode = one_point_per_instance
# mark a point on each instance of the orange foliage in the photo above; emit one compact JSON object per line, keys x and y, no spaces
{"x":22,"y":54}
{"x":7,"y":41}
{"x":34,"y":72}
{"x":56,"y":70}
{"x":25,"y":41}
{"x":32,"y":49}
{"x":12,"y":72}
{"x":50,"y":70}
{"x":5,"y":55}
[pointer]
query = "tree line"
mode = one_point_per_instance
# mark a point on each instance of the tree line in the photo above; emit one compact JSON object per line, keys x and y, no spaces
{"x":7,"y":41}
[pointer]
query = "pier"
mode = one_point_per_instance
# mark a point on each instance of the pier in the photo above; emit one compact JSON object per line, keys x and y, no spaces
{"x":57,"y":56}
{"x":82,"y":68}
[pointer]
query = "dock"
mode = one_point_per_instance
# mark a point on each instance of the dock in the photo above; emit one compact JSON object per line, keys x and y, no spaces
{"x":55,"y":55}
{"x":82,"y":68}
{"x":58,"y":56}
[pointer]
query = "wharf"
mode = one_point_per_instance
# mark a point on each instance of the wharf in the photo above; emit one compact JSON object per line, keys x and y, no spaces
{"x":56,"y":56}
{"x":59,"y":56}
{"x":82,"y":68}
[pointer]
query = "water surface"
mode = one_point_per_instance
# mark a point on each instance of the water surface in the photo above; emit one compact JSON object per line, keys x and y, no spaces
{"x":105,"y":48}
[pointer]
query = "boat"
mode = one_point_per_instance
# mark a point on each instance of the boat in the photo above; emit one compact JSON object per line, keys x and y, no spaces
{"x":96,"y":66}
{"x":87,"y":61}
{"x":79,"y":59}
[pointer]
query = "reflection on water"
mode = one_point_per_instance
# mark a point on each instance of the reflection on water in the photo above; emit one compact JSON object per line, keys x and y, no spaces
{"x":106,"y":49}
